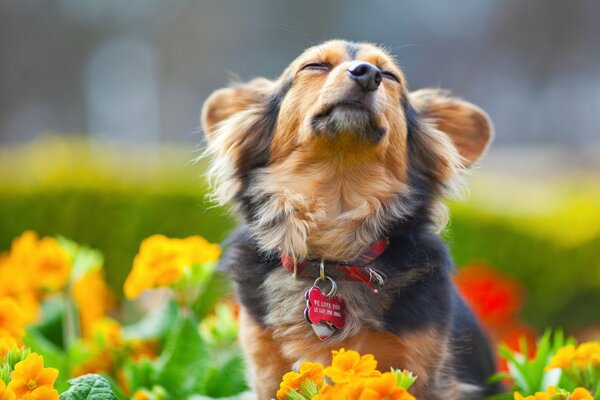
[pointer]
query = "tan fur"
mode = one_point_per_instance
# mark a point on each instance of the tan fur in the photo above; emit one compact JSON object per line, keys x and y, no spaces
{"x":328,"y":193}
{"x":323,"y":195}
{"x":267,"y":366}
{"x":423,"y":352}
{"x":467,"y":125}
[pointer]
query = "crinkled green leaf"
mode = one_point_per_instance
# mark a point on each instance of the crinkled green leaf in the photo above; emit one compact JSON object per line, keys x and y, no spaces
{"x":89,"y":387}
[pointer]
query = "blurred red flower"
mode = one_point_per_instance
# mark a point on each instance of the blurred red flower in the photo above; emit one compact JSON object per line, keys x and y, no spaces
{"x":497,"y":299}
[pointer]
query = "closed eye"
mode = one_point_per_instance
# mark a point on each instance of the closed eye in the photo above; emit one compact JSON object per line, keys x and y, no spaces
{"x":316,"y":66}
{"x":390,"y":75}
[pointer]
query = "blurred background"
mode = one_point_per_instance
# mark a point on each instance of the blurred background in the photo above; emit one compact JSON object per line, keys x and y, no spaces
{"x":99,"y":105}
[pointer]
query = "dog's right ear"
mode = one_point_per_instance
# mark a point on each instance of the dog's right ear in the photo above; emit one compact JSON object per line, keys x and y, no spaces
{"x":224,"y":103}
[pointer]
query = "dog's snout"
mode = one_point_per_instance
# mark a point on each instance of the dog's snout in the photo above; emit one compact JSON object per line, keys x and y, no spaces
{"x":366,"y":75}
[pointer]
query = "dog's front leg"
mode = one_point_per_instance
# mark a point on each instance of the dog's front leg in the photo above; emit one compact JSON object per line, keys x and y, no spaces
{"x":265,"y":362}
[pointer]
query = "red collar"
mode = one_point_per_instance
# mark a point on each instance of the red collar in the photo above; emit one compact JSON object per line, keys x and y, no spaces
{"x":356,"y":270}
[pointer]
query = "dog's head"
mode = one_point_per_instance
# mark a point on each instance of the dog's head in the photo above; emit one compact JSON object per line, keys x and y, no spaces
{"x":337,"y":136}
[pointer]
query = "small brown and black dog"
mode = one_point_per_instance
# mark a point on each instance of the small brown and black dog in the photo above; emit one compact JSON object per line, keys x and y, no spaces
{"x":337,"y":164}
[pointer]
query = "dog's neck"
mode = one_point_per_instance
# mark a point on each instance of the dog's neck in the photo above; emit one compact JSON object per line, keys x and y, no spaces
{"x":322,"y":210}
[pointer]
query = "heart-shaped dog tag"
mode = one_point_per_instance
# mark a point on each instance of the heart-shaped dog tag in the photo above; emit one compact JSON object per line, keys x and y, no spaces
{"x":325,"y":314}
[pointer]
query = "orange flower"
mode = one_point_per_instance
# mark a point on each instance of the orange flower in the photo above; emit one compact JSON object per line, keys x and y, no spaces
{"x":108,"y":333}
{"x":563,"y":358}
{"x":347,"y":365}
{"x":141,"y":395}
{"x":161,"y":261}
{"x":42,"y":393}
{"x":337,"y":392}
{"x":53,"y":265}
{"x":20,"y":290}
{"x":384,"y":387}
{"x":587,"y":354}
{"x":100,"y":362}
{"x":292,"y":380}
{"x":6,"y":393}
{"x":12,"y":321}
{"x":43,"y":262}
{"x":143,"y":349}
{"x":581,"y":394}
{"x":93,"y":299}
{"x":7,"y":343}
{"x":30,"y":375}
{"x":200,"y":250}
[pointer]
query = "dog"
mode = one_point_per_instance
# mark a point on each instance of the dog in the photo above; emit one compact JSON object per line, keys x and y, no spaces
{"x":338,"y":171}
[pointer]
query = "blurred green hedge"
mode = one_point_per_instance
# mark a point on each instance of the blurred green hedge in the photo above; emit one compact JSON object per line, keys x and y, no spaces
{"x":112,"y":199}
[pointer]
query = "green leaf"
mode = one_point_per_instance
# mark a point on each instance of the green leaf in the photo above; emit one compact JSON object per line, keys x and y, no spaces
{"x":51,"y":325}
{"x":214,"y":290}
{"x":184,"y":361}
{"x":139,"y":374}
{"x":84,"y":258}
{"x":229,"y":379}
{"x":89,"y":387}
{"x":155,"y":325}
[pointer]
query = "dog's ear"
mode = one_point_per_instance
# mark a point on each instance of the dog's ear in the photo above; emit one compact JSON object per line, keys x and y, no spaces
{"x":467,"y":125}
{"x":226,"y":102}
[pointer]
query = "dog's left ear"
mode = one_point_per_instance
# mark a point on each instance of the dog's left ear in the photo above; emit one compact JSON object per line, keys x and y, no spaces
{"x":467,"y":125}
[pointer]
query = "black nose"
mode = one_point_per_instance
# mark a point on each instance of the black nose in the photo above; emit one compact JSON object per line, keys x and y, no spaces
{"x":366,"y":75}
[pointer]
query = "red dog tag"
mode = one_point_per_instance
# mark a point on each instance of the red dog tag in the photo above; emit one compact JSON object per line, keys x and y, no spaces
{"x":326,"y":315}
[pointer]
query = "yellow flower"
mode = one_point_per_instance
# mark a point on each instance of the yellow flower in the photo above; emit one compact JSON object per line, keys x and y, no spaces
{"x":384,"y":387}
{"x":587,"y":354}
{"x":20,"y":290}
{"x":43,"y":263}
{"x":201,"y":250}
{"x":141,"y":395}
{"x":42,"y":393}
{"x":53,"y":265}
{"x":93,"y":299}
{"x":46,"y":264}
{"x":143,"y":349}
{"x":550,"y":394}
{"x":161,"y":261}
{"x":108,"y":333}
{"x":30,"y":375}
{"x":7,"y":343}
{"x":337,"y":392}
{"x":563,"y":358}
{"x":12,"y":321}
{"x":348,"y":365}
{"x":100,"y":362}
{"x":293,"y":380}
{"x":581,"y":357}
{"x":581,"y":394}
{"x":6,"y":393}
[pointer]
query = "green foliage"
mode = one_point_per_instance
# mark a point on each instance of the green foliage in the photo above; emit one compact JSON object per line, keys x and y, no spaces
{"x":550,"y":272}
{"x":12,"y":358}
{"x":187,"y":367}
{"x":529,"y":374}
{"x":89,"y":387}
{"x":155,"y":325}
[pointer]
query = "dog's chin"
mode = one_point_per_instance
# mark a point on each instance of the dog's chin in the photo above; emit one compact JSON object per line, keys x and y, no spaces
{"x":353,"y":118}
